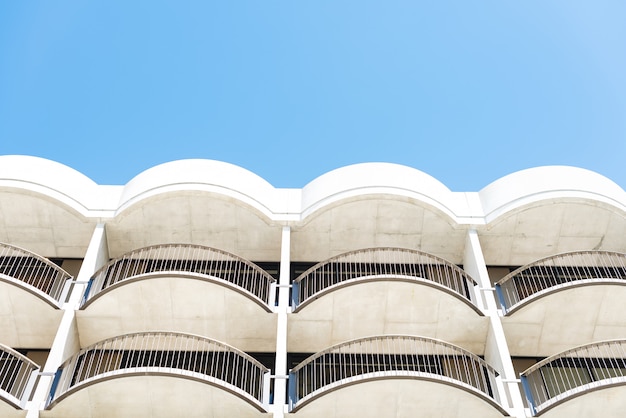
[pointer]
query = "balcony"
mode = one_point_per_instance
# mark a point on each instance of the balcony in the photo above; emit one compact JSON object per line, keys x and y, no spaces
{"x":31,"y":287}
{"x":402,"y":376}
{"x":17,"y":379}
{"x":562,"y":301}
{"x":172,"y":373}
{"x":384,"y":291}
{"x":554,"y":273}
{"x":186,"y":260}
{"x":33,"y":273}
{"x":581,"y":382}
{"x":186,"y":288}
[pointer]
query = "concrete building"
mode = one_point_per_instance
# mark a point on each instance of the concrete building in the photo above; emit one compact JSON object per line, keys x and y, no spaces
{"x":200,"y":290}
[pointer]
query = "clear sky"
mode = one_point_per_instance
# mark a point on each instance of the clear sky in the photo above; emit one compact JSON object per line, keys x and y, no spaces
{"x":466,"y":91}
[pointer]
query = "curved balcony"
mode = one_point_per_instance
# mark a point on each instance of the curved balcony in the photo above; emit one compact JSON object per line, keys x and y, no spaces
{"x":564,"y":301}
{"x":183,"y":288}
{"x":189,"y":260}
{"x":377,"y":264}
{"x":36,"y":274}
{"x":32,"y":289}
{"x":589,"y":369}
{"x":380,"y":291}
{"x":17,"y":377}
{"x":144,"y":359}
{"x":544,"y":276}
{"x":394,"y":357}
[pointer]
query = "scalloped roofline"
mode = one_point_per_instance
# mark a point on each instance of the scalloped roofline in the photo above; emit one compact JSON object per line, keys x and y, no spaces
{"x":200,"y":175}
{"x":548,"y":183}
{"x":72,"y":188}
{"x":377,"y":178}
{"x":58,"y":182}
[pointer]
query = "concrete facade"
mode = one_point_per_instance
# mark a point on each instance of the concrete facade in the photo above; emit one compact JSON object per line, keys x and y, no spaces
{"x":55,"y":212}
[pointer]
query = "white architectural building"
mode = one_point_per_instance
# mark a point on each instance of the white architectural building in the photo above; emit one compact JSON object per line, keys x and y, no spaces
{"x":200,"y":290}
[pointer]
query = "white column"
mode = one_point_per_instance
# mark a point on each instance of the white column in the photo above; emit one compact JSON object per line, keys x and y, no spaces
{"x":496,"y":350}
{"x":280,"y":392}
{"x":66,"y":341}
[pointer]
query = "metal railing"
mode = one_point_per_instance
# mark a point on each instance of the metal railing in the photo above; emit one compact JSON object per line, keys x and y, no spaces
{"x":391,"y":356}
{"x":562,"y":270}
{"x":190,"y":259}
{"x":573,"y":372}
{"x":20,"y":266}
{"x":163,"y":353}
{"x":379,"y":263}
{"x":17,"y":376}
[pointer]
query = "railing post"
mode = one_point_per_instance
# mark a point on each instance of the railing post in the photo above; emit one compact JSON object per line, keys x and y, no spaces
{"x":65,"y":291}
{"x":499,"y":389}
{"x":295,"y":295}
{"x":30,"y":385}
{"x":53,"y":386}
{"x":86,"y":293}
{"x":529,"y":395}
{"x":293,"y":395}
{"x":500,"y":295}
{"x":267,"y":377}
{"x":272,"y":295}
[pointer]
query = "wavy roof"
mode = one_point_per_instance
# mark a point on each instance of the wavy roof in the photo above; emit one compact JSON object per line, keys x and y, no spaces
{"x":70,"y":187}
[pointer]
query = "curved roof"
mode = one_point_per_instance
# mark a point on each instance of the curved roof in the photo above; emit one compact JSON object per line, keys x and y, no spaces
{"x":548,"y":183}
{"x":56,"y":181}
{"x":377,"y":178}
{"x":201,"y":175}
{"x":73,"y":189}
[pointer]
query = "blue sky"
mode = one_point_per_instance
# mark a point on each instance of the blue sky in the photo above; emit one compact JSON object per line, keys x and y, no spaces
{"x":464,"y":91}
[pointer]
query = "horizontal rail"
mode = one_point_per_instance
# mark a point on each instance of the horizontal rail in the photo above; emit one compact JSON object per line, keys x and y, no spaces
{"x":559,"y":271}
{"x":387,"y":357}
{"x":22,"y":266}
{"x":185,"y":258}
{"x":381,"y":262}
{"x":573,"y":372}
{"x":167,"y":353}
{"x":17,"y":375}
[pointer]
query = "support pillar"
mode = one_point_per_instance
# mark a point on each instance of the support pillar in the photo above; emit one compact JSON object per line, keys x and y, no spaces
{"x":280,"y":387}
{"x":66,"y":341}
{"x":496,"y":350}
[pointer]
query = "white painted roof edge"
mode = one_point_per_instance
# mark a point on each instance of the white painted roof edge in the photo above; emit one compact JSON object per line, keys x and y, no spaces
{"x":202,"y":175}
{"x":58,"y":182}
{"x":379,"y":178}
{"x":76,"y":190}
{"x":548,"y":183}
